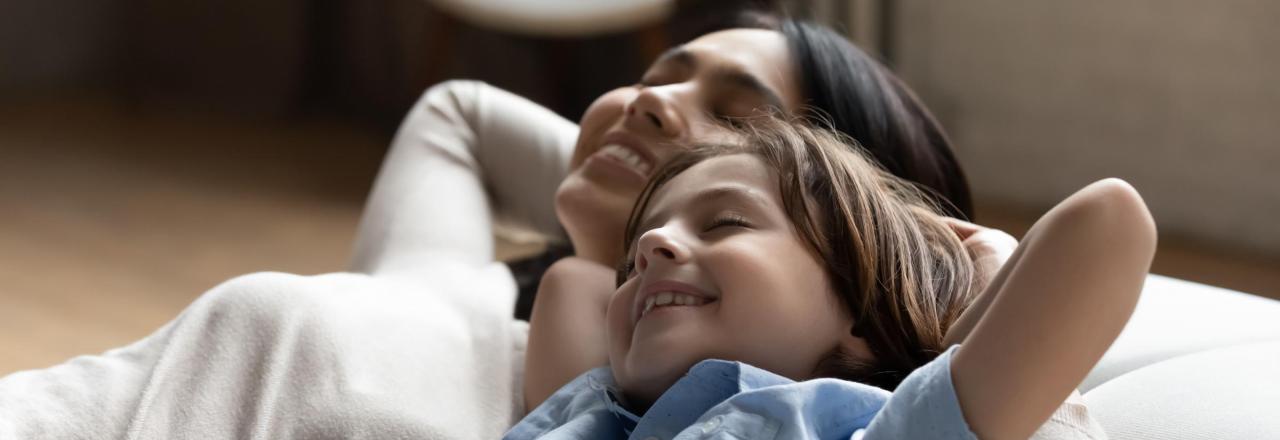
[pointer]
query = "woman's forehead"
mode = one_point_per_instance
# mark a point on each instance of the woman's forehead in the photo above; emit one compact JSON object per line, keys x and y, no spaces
{"x":761,"y":53}
{"x":741,"y":38}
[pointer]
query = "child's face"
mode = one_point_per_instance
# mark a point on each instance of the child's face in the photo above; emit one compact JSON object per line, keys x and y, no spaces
{"x":717,"y":235}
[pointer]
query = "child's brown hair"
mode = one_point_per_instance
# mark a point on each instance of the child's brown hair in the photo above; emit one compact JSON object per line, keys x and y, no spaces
{"x":899,"y":270}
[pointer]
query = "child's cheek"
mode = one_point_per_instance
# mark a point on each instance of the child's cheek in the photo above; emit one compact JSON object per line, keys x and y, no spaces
{"x":618,"y":319}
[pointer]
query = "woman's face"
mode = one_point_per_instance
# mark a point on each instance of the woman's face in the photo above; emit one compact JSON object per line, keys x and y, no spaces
{"x":685,"y":97}
{"x":718,"y":271}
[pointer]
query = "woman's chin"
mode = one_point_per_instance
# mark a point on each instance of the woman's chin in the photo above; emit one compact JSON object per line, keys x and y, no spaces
{"x":581,"y":192}
{"x":593,"y":215}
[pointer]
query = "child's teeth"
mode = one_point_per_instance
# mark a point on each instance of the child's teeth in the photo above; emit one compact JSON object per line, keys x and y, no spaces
{"x":664,"y":298}
{"x":671,"y":299}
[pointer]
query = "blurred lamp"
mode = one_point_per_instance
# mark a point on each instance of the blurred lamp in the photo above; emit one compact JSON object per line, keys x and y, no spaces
{"x":559,"y":18}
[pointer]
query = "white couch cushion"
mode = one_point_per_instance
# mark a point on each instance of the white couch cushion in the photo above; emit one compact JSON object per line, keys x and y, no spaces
{"x":1227,"y":393}
{"x":1176,"y":317}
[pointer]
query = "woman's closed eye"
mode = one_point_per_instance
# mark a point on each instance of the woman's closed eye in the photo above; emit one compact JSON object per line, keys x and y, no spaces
{"x":739,"y":114}
{"x":735,"y":122}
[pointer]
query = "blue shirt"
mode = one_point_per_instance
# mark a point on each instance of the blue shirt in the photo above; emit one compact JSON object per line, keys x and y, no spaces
{"x":733,"y":400}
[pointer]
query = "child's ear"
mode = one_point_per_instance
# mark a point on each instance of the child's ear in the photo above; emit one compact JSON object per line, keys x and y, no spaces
{"x":855,"y":346}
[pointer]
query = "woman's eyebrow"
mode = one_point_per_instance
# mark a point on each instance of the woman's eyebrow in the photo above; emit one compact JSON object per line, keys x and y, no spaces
{"x":678,"y":55}
{"x":732,"y":77}
{"x":751,"y":84}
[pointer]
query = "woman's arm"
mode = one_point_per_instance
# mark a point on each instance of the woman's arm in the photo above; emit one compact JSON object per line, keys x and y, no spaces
{"x":1056,"y":307}
{"x":464,"y":147}
{"x":566,"y":331}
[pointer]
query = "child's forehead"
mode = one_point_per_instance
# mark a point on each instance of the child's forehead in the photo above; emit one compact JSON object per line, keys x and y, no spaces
{"x":717,"y":178}
{"x":743,"y":169}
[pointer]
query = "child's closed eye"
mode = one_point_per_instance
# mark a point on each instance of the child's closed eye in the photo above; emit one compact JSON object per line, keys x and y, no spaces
{"x":727,"y":220}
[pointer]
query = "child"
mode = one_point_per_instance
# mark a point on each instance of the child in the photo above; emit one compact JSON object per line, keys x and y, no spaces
{"x":776,"y":287}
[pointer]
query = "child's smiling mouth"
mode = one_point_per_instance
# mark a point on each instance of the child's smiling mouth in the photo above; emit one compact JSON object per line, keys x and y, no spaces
{"x":670,"y":299}
{"x":668,"y":294}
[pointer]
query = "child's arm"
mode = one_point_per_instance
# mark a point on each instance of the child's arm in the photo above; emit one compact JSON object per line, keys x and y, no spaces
{"x":990,"y":249}
{"x":566,"y":329}
{"x":1054,"y":309}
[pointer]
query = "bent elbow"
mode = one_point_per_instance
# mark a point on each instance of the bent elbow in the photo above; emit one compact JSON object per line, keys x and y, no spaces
{"x":1112,"y":218}
{"x":1124,"y":211}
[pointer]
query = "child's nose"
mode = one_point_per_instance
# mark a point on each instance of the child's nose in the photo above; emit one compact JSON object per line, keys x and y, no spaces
{"x":660,"y":245}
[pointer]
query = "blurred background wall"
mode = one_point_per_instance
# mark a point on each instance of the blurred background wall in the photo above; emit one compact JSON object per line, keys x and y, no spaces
{"x":1171,"y":95}
{"x":1179,"y":97}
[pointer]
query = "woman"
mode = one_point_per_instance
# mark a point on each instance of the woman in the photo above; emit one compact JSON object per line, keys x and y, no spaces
{"x":419,"y":342}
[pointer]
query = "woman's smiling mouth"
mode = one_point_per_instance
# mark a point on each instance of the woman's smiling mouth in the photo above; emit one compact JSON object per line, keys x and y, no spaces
{"x":628,"y":157}
{"x":620,"y":160}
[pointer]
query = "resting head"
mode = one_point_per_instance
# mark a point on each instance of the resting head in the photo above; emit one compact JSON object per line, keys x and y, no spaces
{"x":763,"y":66}
{"x":787,"y":249}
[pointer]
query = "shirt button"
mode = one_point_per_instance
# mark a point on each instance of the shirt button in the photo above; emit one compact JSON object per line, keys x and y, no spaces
{"x":710,"y":425}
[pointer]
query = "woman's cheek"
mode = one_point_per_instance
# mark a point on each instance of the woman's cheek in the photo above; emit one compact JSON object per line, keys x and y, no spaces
{"x":599,"y":117}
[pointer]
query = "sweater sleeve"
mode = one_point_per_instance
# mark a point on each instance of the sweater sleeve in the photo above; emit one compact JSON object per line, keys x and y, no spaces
{"x":465,"y":154}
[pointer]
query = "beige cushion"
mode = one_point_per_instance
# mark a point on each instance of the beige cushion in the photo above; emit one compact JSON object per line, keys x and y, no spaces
{"x":1176,"y":317}
{"x":1195,"y":361}
{"x":1225,"y":393}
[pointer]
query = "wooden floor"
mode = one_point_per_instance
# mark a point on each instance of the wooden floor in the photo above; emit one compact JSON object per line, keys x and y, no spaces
{"x":112,"y":221}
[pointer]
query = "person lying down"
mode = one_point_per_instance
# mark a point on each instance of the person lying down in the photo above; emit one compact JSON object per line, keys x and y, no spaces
{"x":780,"y":285}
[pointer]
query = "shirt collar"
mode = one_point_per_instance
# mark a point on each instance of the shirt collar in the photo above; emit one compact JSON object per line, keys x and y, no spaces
{"x":707,"y":384}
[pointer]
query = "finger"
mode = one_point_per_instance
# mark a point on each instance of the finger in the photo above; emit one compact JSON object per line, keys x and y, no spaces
{"x":963,"y":228}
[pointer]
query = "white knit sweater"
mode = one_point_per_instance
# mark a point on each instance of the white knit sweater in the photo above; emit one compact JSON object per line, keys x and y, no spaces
{"x":418,"y":341}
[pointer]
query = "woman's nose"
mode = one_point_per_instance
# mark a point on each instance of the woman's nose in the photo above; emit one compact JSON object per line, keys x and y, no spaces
{"x":656,"y":111}
{"x":660,"y":246}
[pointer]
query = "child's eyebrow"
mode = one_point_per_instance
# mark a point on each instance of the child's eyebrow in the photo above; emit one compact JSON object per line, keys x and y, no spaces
{"x":741,"y":193}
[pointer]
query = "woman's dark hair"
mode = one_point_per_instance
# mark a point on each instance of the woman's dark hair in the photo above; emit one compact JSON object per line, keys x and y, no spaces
{"x":846,"y":89}
{"x":897,"y":268}
{"x":865,"y":100}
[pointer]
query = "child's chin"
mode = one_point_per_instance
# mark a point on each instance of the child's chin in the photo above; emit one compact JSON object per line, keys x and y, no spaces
{"x":655,"y":373}
{"x":645,"y":387}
